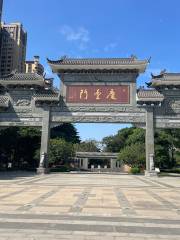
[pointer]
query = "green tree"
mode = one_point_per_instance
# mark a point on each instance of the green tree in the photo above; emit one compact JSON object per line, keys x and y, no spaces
{"x":133,"y":155}
{"x":17,"y":146}
{"x":60,"y":152}
{"x":117,"y":142}
{"x":87,"y":146}
{"x":137,"y":136}
{"x":67,"y":131}
{"x":167,"y":142}
{"x":29,"y":142}
{"x":8,"y":145}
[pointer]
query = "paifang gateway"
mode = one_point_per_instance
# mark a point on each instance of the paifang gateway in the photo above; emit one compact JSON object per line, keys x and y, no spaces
{"x":93,"y":90}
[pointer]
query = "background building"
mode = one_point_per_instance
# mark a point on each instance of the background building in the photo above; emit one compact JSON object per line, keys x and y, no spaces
{"x":13,"y":48}
{"x":1,"y":6}
{"x":34,"y":66}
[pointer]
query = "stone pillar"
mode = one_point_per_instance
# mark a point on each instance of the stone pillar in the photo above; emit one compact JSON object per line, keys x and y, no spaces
{"x":113,"y":164}
{"x":45,"y":135}
{"x":118,"y":164}
{"x":85,"y":163}
{"x":133,"y":93}
{"x":149,"y":142}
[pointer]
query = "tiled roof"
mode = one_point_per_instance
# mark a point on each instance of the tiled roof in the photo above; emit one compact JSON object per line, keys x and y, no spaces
{"x":22,"y":79}
{"x":167,"y":76}
{"x":4,"y":101}
{"x":165,"y":79}
{"x":98,"y":63}
{"x":46,"y":96}
{"x":149,"y":95}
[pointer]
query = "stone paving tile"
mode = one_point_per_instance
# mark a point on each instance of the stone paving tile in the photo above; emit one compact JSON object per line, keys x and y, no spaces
{"x":81,"y":200}
{"x":151,"y":213}
{"x":89,"y":206}
{"x":47,"y":210}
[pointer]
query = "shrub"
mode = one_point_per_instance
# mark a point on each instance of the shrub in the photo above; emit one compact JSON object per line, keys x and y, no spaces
{"x":60,"y":152}
{"x":173,"y":170}
{"x":62,"y":168}
{"x":135,"y":170}
{"x":133,"y":155}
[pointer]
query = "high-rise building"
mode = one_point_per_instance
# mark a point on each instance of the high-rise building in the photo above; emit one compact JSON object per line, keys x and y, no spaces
{"x":34,"y":66}
{"x":13,"y":48}
{"x":1,"y":5}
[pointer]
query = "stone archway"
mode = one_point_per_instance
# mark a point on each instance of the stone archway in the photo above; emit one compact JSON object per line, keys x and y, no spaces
{"x":92,"y":91}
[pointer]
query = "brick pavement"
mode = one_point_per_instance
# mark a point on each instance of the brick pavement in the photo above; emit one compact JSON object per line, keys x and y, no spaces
{"x":89,"y":206}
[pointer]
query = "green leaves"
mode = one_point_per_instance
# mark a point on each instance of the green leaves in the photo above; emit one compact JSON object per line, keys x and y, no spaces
{"x":117,"y":142}
{"x":67,"y":131}
{"x":18,"y":146}
{"x":133,"y":155}
{"x":87,"y":146}
{"x":60,"y":151}
{"x":130,"y":142}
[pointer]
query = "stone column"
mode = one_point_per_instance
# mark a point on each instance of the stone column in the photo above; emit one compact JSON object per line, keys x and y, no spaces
{"x":149,"y":142}
{"x":85,"y":163}
{"x":118,"y":164}
{"x":113,"y":164}
{"x":45,"y":135}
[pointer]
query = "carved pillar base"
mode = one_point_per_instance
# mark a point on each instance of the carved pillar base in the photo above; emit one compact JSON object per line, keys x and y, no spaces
{"x":151,"y":174}
{"x":42,"y":171}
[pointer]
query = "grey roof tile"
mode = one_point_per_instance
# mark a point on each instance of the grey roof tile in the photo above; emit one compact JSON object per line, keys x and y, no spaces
{"x":98,"y":64}
{"x":95,"y":61}
{"x":149,"y":95}
{"x":22,"y":77}
{"x":46,"y":96}
{"x":4,"y":101}
{"x":165,"y":79}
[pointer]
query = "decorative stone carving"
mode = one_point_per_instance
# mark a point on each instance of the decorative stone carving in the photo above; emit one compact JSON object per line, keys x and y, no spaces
{"x":100,"y":77}
{"x":42,"y":160}
{"x":95,"y":108}
{"x":151,"y":161}
{"x":23,"y":102}
{"x":100,"y":119}
{"x":172,"y":106}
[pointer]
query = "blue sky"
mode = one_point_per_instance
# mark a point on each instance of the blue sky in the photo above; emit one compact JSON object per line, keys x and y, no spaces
{"x":101,"y":28}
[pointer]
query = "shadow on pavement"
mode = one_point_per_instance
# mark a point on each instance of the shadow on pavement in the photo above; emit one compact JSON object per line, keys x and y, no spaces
{"x":6,"y":175}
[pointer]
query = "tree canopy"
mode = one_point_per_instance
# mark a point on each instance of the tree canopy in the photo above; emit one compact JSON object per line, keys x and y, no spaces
{"x":130,"y":143}
{"x":133,"y":155}
{"x":67,"y":131}
{"x":20,"y":146}
{"x":118,"y":141}
{"x":87,"y":146}
{"x":60,"y":152}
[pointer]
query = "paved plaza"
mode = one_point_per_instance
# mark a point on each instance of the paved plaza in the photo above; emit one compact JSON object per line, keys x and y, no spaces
{"x":89,"y":206}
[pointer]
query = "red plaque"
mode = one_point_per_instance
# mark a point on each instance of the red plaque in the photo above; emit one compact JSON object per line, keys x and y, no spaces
{"x":98,"y":94}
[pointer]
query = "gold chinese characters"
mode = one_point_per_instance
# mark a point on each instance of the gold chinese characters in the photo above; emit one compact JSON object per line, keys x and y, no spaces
{"x":111,"y":95}
{"x":83,"y":94}
{"x":98,"y":94}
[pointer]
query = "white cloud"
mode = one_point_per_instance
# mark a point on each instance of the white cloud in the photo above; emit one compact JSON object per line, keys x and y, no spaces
{"x":79,"y":35}
{"x":110,"y":46}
